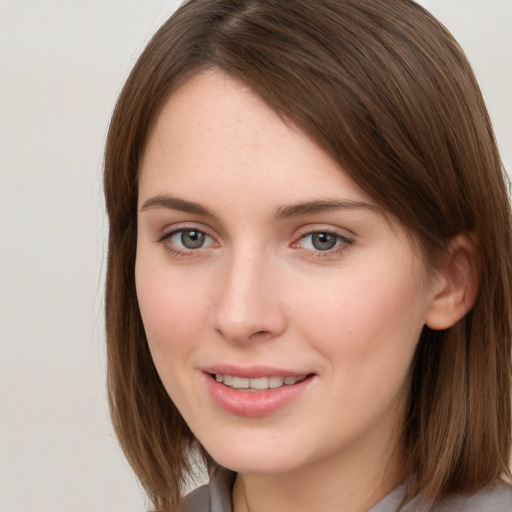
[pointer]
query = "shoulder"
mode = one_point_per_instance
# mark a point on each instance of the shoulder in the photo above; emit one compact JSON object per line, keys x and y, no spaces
{"x":214,"y":497}
{"x":196,"y":501}
{"x":494,"y":498}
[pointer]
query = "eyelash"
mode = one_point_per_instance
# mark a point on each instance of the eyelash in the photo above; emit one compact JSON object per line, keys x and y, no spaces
{"x":341,"y":242}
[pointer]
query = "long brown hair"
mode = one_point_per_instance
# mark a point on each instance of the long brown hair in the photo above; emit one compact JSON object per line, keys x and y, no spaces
{"x":383,"y":88}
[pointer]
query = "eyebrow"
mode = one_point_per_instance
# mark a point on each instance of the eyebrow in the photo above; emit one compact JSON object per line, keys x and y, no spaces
{"x":312,"y":207}
{"x":175,"y":203}
{"x":282,"y":212}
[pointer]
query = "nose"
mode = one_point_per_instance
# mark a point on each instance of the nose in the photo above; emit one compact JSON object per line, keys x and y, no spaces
{"x":247,"y":306}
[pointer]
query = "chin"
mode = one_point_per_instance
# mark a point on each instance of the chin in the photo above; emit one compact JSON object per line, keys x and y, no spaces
{"x":255,"y":458}
{"x":251,"y":465}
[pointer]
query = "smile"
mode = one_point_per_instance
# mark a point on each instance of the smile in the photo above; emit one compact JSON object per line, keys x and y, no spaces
{"x":257,"y":392}
{"x":257,"y":384}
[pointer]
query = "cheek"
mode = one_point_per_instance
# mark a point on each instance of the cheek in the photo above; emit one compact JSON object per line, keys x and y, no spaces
{"x":367,"y":326}
{"x":173,"y":311}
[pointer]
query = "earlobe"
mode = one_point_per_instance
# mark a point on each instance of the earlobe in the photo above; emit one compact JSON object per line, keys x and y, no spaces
{"x":457,"y":284}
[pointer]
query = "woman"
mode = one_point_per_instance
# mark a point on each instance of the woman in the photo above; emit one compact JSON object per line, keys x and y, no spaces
{"x":309,"y":276}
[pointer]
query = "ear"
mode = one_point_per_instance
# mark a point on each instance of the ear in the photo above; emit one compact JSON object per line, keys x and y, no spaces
{"x":455,"y":284}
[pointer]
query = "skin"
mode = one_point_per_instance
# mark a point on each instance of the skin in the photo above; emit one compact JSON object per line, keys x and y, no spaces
{"x":260,"y":292}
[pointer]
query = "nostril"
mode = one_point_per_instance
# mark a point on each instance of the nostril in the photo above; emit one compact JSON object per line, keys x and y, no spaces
{"x":259,"y":334}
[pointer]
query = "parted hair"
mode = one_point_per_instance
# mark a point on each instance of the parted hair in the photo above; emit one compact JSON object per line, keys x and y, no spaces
{"x":388,"y":93}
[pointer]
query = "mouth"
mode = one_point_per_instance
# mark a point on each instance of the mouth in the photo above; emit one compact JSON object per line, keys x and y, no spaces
{"x":256,"y":391}
{"x":259,"y":383}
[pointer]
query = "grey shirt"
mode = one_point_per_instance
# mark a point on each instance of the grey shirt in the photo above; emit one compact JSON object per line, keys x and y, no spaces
{"x":216,"y":497}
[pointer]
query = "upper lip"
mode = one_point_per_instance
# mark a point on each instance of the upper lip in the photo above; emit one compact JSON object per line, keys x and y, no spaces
{"x":252,"y":372}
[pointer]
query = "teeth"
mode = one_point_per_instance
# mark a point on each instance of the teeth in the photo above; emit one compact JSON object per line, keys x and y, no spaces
{"x":240,"y":383}
{"x":275,"y":382}
{"x":261,"y":383}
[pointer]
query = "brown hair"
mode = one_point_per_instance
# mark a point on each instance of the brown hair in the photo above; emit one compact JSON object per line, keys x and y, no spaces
{"x":384,"y":88}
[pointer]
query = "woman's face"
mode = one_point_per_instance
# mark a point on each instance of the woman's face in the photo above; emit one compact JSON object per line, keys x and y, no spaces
{"x":282,"y":307}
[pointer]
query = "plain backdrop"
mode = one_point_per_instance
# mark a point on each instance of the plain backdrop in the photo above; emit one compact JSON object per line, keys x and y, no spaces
{"x":62,"y":64}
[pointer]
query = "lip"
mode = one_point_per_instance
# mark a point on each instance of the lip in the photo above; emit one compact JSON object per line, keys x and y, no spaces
{"x":253,"y":404}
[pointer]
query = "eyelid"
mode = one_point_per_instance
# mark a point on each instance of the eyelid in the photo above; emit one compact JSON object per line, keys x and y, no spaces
{"x":170,"y":234}
{"x":323,"y":228}
{"x":172,"y":229}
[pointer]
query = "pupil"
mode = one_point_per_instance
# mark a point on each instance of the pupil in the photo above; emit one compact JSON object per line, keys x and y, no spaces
{"x":323,"y":241}
{"x":192,"y":239}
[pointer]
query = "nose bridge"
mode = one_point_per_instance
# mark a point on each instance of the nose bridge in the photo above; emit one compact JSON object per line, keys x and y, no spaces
{"x":245,"y":305}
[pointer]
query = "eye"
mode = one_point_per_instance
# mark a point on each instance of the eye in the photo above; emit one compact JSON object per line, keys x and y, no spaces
{"x":189,"y":238}
{"x":186,"y":239}
{"x":323,"y":241}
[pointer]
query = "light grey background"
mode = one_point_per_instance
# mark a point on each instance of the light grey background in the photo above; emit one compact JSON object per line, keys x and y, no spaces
{"x":62,"y":64}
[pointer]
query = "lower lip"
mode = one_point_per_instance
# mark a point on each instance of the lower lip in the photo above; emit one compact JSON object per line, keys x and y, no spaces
{"x":254,"y":403}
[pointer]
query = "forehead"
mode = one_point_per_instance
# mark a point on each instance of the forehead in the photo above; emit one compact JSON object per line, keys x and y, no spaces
{"x":214,"y":130}
{"x":212,"y":112}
